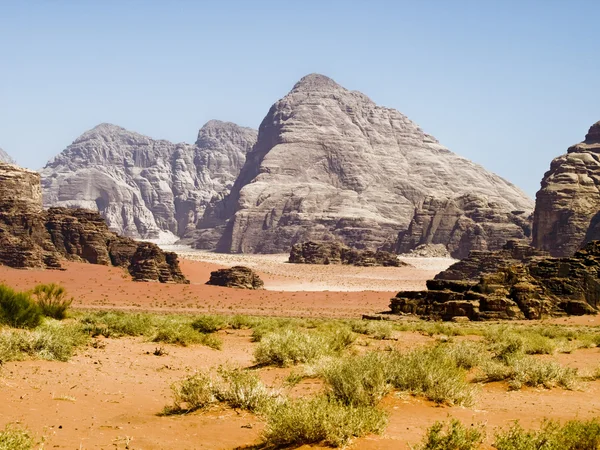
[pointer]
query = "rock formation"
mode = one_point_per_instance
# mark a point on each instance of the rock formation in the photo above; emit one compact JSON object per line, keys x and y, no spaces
{"x":331,"y":165}
{"x":31,"y":237}
{"x":337,"y":253}
{"x":541,"y":286}
{"x":567,"y":211}
{"x":4,"y":157}
{"x":429,"y":251}
{"x":464,"y":223}
{"x":240,"y":277}
{"x":146,"y":188}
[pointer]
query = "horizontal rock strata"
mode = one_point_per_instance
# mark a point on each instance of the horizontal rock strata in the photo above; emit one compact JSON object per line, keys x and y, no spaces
{"x":240,"y":277}
{"x":337,"y":253}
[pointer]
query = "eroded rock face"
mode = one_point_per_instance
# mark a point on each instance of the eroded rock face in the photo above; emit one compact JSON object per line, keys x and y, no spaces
{"x":338,"y":253}
{"x":146,"y":188}
{"x":464,"y":223}
{"x":31,"y":237}
{"x":331,"y":165}
{"x":537,"y":287}
{"x":567,"y":210}
{"x":4,"y":157}
{"x":240,"y":277}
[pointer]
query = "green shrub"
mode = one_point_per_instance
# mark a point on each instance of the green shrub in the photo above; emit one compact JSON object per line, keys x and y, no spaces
{"x":244,"y":389}
{"x":452,"y":436}
{"x":320,"y":419}
{"x":52,"y":300}
{"x":573,"y":435}
{"x":192,"y":393}
{"x":360,"y":380}
{"x":14,"y":438}
{"x":18,"y":309}
{"x":50,"y":341}
{"x":209,"y":324}
{"x":117,"y":323}
{"x":466,"y":354}
{"x":177,"y":332}
{"x":433,"y":373}
{"x":375,"y":329}
{"x":287,"y":347}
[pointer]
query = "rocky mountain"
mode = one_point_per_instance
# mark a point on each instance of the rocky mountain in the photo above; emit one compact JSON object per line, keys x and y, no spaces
{"x":146,"y":188}
{"x":33,"y":237}
{"x":567,"y":211}
{"x":4,"y":157}
{"x":330,"y":164}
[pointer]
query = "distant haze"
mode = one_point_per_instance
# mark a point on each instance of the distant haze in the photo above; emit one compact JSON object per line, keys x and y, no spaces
{"x":509,"y":85}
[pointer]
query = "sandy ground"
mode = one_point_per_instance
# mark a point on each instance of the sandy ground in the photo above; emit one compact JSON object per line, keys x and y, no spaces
{"x":110,"y":397}
{"x":291,"y":289}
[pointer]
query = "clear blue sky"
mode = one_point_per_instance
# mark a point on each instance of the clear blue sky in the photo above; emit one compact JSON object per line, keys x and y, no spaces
{"x":508,"y":84}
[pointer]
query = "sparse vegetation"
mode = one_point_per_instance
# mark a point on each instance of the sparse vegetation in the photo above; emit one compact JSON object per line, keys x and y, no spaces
{"x":15,"y":438}
{"x":52,"y":300}
{"x":573,"y":435}
{"x":452,"y":435}
{"x":320,"y":419}
{"x":18,"y":309}
{"x":244,"y":389}
{"x":192,"y":393}
{"x":209,"y":324}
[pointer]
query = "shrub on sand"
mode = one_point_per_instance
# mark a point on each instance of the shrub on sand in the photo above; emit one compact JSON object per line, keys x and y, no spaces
{"x":573,"y":435}
{"x":15,"y":438}
{"x":52,"y":300}
{"x":452,"y":436}
{"x":191,"y":393}
{"x":18,"y":309}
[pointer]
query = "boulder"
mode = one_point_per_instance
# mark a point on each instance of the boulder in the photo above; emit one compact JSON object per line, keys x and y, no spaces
{"x":236,"y":277}
{"x":338,"y":253}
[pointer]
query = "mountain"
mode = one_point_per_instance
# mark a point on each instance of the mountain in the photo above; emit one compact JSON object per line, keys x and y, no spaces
{"x":4,"y":157}
{"x":330,"y":164}
{"x":567,"y":211}
{"x":146,"y":188}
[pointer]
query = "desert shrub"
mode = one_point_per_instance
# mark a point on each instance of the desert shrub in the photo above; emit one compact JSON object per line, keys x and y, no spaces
{"x":431,"y":372}
{"x":375,"y":329}
{"x":212,"y":341}
{"x":320,"y":419}
{"x":192,"y":393}
{"x":359,"y":380}
{"x":14,"y":438}
{"x":50,"y":341}
{"x":117,"y":323}
{"x":573,"y":435}
{"x":52,"y":300}
{"x":18,"y":309}
{"x":287,"y":347}
{"x":241,"y":322}
{"x":209,"y":324}
{"x":466,"y":354}
{"x":243,"y":389}
{"x":452,"y":436}
{"x":177,"y":332}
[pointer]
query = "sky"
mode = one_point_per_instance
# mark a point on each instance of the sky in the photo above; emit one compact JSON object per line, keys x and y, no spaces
{"x":507,"y":84}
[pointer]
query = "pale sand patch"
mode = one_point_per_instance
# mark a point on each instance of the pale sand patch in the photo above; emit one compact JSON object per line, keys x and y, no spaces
{"x":279,"y":275}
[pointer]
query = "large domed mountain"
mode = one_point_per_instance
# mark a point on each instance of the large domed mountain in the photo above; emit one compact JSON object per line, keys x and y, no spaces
{"x":331,"y":164}
{"x":4,"y":157}
{"x":146,"y":188}
{"x":567,"y":211}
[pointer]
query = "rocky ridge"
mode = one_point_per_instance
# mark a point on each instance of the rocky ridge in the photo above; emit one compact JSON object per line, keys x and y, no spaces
{"x":520,"y":284}
{"x":240,"y":277}
{"x":5,"y":157}
{"x":338,"y":253}
{"x":31,"y":237}
{"x":331,"y":165}
{"x":567,"y":211}
{"x":146,"y":188}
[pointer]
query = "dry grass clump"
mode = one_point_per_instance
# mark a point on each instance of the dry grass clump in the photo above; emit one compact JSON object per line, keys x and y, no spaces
{"x":289,"y":347}
{"x":573,"y":435}
{"x":452,"y":436}
{"x":192,"y":393}
{"x":15,"y":438}
{"x":243,"y":389}
{"x":320,"y":419}
{"x":210,"y":323}
{"x":375,"y":329}
{"x":51,"y":341}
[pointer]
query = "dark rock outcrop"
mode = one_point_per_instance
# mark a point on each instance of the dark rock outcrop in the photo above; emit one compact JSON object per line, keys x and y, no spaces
{"x":338,"y":253}
{"x":464,"y":223}
{"x":31,"y":237}
{"x":236,"y":277}
{"x":147,"y":188}
{"x":567,"y":210}
{"x":543,"y":286}
{"x":331,"y":165}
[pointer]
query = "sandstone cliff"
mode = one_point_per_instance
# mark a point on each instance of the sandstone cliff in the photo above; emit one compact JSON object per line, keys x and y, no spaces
{"x":31,"y":237}
{"x":146,"y":188}
{"x":4,"y":157}
{"x":330,"y":164}
{"x":567,"y":210}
